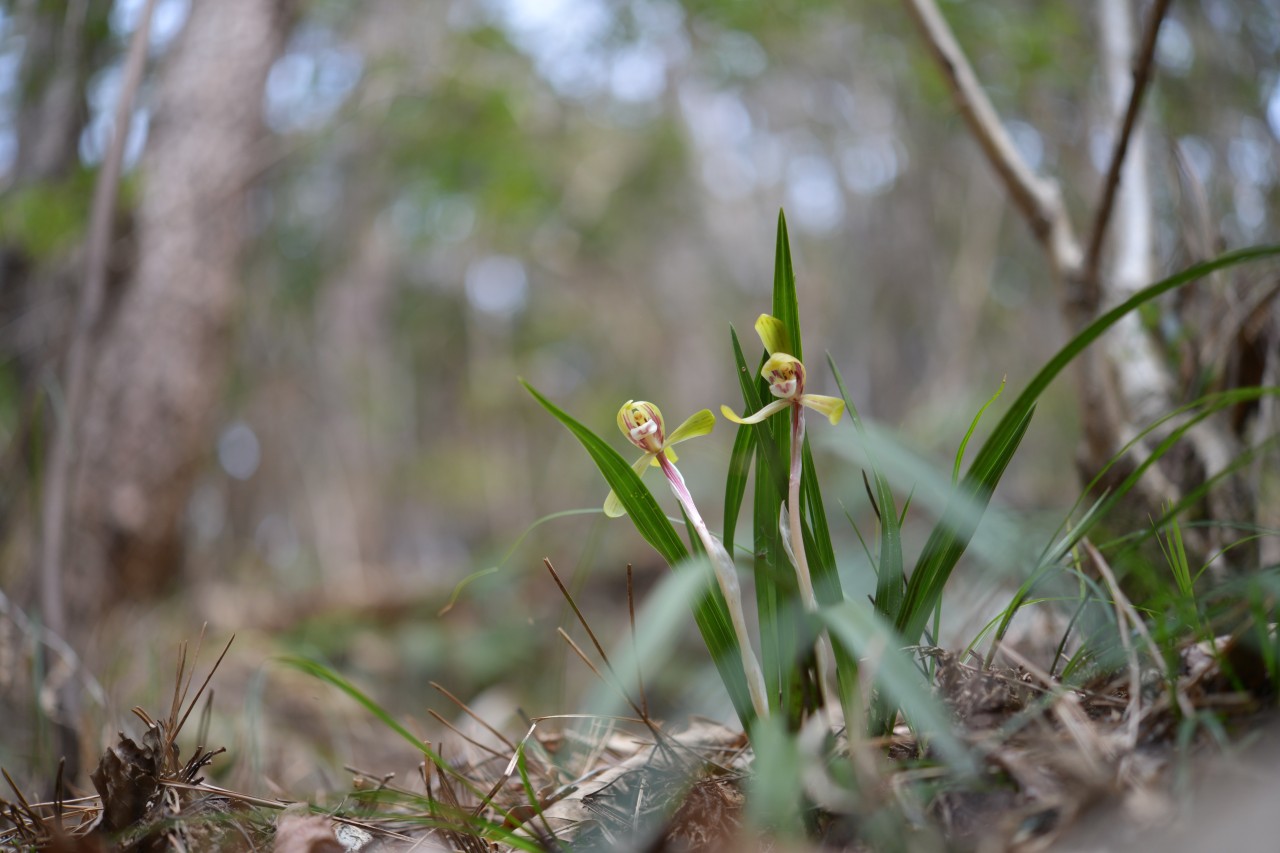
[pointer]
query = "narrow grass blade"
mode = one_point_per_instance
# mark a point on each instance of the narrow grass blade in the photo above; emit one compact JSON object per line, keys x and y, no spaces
{"x":1176,"y":553}
{"x":951,"y":536}
{"x":1209,"y":405}
{"x":955,"y":472}
{"x":1191,"y":498}
{"x":890,"y":576}
{"x":735,"y":487}
{"x":323,"y":673}
{"x":814,"y":529}
{"x":786,"y":306}
{"x":822,"y":556}
{"x":775,"y":586}
{"x":772,"y":436}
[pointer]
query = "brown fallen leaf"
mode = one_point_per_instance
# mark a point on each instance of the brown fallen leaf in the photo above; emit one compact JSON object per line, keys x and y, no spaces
{"x":306,"y":833}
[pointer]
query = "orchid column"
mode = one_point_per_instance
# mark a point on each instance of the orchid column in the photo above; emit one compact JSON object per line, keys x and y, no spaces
{"x":642,"y":424}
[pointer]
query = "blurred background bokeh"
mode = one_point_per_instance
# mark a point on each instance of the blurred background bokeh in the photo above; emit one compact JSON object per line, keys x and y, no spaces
{"x":432,"y":199}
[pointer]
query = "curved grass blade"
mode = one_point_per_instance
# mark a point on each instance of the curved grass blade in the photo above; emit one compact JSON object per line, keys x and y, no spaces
{"x":710,"y":612}
{"x":1191,"y":498}
{"x":890,"y":576}
{"x":735,"y":486}
{"x":475,"y":576}
{"x":955,"y":472}
{"x":951,"y":535}
{"x":323,"y":673}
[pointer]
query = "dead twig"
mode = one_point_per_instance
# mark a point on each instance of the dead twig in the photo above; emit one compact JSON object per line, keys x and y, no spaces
{"x":57,"y":480}
{"x":613,"y":681}
{"x":1038,"y":199}
{"x":1111,"y":184}
{"x":439,"y":718}
{"x":473,"y":715}
{"x":88,"y":308}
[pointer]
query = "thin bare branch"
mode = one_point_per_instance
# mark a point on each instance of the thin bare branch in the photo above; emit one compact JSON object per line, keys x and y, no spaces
{"x":582,"y":620}
{"x":1127,"y":619}
{"x":472,"y":714}
{"x":213,"y":669}
{"x":613,"y":681}
{"x":61,"y":460}
{"x":1111,"y":184}
{"x":439,"y":718}
{"x":97,"y":256}
{"x":1038,"y":200}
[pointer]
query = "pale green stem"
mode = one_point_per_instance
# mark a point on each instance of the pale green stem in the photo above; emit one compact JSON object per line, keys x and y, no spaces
{"x":823,"y":648}
{"x":727,"y":577}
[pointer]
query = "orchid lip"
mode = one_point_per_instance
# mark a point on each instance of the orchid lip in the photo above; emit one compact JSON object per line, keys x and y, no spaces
{"x":644,"y":430}
{"x":784,"y":389}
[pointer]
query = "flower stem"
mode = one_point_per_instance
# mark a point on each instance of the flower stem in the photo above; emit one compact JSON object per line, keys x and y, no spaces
{"x":803,"y":577}
{"x":727,"y":577}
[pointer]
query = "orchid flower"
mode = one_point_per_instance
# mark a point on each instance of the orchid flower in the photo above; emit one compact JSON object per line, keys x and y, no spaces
{"x":786,"y":377}
{"x":641,"y":422}
{"x":643,"y":426}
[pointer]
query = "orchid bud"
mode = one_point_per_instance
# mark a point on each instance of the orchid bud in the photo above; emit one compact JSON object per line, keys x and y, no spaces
{"x":785,"y":375}
{"x":641,"y":423}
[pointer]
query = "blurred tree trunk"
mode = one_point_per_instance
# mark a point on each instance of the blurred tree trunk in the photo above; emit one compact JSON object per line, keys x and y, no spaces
{"x":56,"y":60}
{"x":63,"y":43}
{"x":60,"y":42}
{"x":61,"y":46}
{"x":162,"y":350}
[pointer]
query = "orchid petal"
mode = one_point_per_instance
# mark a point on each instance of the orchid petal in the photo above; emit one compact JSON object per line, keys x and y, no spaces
{"x":832,"y":407}
{"x":773,"y":334}
{"x":613,"y":504}
{"x":699,"y":423}
{"x":773,"y":408}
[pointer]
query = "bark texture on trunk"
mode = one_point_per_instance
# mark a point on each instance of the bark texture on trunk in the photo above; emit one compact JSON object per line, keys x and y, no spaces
{"x":163,"y":349}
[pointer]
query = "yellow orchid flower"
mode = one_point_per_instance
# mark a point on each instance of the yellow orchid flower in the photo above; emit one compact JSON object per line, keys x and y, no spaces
{"x":786,"y":377}
{"x":641,"y":422}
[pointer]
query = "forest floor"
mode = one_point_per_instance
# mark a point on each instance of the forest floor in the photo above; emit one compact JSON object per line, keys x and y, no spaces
{"x":1128,"y":762}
